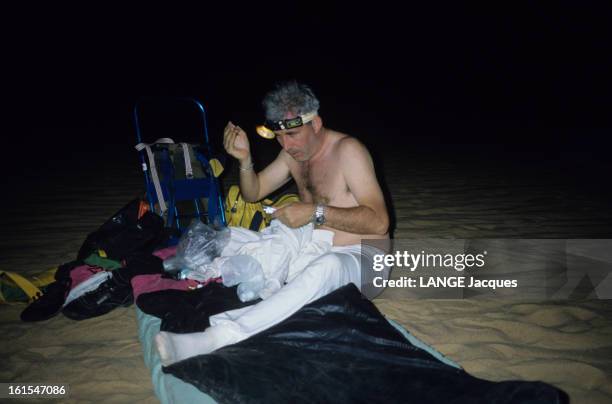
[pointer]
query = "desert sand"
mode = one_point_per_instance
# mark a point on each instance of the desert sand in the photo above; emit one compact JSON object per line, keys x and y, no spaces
{"x":565,"y":343}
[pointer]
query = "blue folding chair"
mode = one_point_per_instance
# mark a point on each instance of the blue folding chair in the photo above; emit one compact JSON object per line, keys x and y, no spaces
{"x":169,"y":175}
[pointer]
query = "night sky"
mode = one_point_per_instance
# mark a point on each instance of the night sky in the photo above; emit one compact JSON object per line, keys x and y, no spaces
{"x":533,"y":77}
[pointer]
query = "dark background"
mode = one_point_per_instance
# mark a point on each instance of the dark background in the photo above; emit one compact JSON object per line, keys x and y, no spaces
{"x":509,"y":82}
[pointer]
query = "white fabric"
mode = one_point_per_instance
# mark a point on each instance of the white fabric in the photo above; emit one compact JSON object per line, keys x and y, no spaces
{"x":304,"y":257}
{"x":87,"y":285}
{"x":187,"y":159}
{"x":283,"y":252}
{"x":315,"y":268}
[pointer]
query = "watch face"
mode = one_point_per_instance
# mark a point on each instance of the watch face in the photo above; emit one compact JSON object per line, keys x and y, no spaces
{"x":319,"y":215}
{"x":320,"y":219}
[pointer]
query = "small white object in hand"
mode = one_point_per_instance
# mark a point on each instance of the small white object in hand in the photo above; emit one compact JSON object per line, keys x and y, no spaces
{"x":269,"y":209}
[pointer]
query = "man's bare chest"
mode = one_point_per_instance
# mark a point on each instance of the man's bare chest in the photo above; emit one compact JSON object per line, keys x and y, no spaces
{"x":319,"y":183}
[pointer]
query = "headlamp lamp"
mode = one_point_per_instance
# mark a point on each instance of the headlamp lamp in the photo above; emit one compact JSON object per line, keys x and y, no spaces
{"x":267,"y":129}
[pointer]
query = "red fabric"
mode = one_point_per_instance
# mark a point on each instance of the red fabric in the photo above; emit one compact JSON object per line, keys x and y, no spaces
{"x":154,"y":282}
{"x":83,"y":272}
{"x":165,"y":253}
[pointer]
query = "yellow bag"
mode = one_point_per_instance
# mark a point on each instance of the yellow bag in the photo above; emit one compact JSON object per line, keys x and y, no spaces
{"x":17,"y":288}
{"x":251,"y":215}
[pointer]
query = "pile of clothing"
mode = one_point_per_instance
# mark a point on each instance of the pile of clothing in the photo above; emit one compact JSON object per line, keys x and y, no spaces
{"x":99,"y":279}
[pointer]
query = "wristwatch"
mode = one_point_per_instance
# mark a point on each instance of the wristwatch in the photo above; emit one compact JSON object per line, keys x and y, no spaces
{"x":319,"y":215}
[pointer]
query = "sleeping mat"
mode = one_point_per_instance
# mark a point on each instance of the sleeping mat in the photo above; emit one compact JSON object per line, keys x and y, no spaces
{"x":337,"y":349}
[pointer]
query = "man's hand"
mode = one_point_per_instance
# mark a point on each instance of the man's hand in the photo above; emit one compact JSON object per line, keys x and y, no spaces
{"x":295,"y":214}
{"x":236,"y":142}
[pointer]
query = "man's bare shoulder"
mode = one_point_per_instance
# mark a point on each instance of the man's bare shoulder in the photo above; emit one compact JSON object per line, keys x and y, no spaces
{"x":343,"y":140}
{"x":351,"y":147}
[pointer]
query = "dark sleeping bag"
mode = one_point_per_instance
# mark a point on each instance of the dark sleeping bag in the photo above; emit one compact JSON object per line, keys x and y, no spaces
{"x":340,"y":349}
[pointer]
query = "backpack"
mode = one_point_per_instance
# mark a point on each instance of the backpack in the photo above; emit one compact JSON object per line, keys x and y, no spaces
{"x":15,"y":287}
{"x":251,"y":215}
{"x":132,"y":229}
{"x":178,"y":172}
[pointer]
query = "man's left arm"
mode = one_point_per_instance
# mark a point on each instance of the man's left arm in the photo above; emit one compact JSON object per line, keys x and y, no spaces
{"x":371,"y":216}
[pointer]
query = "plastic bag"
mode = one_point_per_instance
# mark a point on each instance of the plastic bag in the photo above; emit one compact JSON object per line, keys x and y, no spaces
{"x":198,"y":247}
{"x":244,"y":271}
{"x":248,"y":291}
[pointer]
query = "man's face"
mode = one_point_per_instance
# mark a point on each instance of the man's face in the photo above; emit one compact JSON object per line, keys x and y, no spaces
{"x":298,"y":142}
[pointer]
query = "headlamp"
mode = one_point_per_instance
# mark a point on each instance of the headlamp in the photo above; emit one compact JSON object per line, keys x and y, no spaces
{"x":267,"y":129}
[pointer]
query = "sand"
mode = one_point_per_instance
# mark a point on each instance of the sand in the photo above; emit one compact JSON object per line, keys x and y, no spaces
{"x":565,"y":343}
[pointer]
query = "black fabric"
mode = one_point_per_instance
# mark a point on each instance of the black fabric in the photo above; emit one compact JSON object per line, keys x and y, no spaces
{"x":124,"y":234}
{"x":123,"y":218}
{"x":49,"y":304}
{"x":53,"y":297}
{"x":256,"y":221}
{"x":144,"y":237}
{"x":340,"y":349}
{"x":188,"y":311}
{"x":140,"y":264}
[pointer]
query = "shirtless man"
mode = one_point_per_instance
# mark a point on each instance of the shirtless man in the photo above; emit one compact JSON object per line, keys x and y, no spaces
{"x":333,"y":171}
{"x":339,"y":193}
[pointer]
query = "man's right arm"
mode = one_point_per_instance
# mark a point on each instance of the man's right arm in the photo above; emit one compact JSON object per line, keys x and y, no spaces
{"x":253,"y":186}
{"x":256,"y":186}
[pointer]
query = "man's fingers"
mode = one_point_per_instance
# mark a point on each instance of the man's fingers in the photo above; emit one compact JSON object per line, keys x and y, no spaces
{"x":229,"y":141}
{"x":226,"y":136}
{"x":228,"y":128}
{"x":227,"y":131}
{"x":278,"y":212}
{"x":232,"y":134}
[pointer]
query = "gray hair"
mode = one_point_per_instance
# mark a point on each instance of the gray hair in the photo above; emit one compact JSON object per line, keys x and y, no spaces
{"x":289,"y":97}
